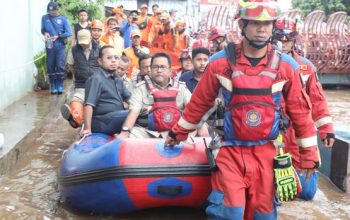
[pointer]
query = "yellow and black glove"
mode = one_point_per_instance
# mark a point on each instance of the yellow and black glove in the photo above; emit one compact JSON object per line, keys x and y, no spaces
{"x":286,"y":179}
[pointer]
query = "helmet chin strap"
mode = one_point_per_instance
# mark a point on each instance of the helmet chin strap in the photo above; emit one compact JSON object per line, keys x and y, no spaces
{"x":257,"y":44}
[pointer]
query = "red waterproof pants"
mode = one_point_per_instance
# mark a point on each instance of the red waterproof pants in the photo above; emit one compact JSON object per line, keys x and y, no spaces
{"x":243,"y":185}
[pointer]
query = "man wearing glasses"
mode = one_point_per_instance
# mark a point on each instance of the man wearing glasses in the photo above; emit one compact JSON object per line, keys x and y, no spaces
{"x":105,"y":94}
{"x":156,"y":103}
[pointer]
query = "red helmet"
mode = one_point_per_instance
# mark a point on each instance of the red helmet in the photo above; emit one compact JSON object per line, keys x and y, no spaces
{"x":185,"y":54}
{"x":285,"y":29}
{"x":216,"y":32}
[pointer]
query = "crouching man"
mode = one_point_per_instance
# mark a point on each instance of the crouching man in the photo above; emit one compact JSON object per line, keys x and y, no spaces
{"x":157,"y":102}
{"x":105,"y":93}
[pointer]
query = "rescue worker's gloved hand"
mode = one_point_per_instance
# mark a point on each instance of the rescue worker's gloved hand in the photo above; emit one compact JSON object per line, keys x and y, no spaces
{"x":328,"y":139}
{"x":309,"y":157}
{"x":286,"y":179}
{"x":173,"y":139}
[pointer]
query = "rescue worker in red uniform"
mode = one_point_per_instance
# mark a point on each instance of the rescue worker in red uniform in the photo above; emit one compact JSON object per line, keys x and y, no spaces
{"x":253,"y":77}
{"x":286,"y":32}
{"x":217,"y":39}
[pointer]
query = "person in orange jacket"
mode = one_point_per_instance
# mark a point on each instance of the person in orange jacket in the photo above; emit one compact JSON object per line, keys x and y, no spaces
{"x":286,"y":32}
{"x":142,"y":22}
{"x":166,"y":33}
{"x":118,"y":13}
{"x":182,"y":37}
{"x":135,"y":52}
{"x":253,"y":77}
{"x":154,"y":26}
{"x":112,"y":36}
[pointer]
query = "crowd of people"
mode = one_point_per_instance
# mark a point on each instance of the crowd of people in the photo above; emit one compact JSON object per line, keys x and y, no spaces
{"x":127,"y":82}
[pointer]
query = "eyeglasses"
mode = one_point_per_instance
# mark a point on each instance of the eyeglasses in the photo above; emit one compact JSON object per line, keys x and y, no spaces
{"x":155,"y":67}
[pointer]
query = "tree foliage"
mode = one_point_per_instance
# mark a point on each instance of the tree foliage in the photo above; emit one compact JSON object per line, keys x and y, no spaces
{"x":328,"y":6}
{"x":70,"y":8}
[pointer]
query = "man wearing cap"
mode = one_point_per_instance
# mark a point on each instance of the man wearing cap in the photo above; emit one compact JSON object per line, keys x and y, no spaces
{"x":253,"y":78}
{"x":56,"y":30}
{"x":142,"y":22}
{"x":112,"y":36}
{"x":128,"y":26}
{"x":118,"y":13}
{"x":154,"y":25}
{"x":182,"y":37}
{"x":166,"y":33}
{"x":84,"y":57}
{"x":217,"y":39}
{"x":135,"y":51}
{"x":200,"y":60}
{"x":185,"y":62}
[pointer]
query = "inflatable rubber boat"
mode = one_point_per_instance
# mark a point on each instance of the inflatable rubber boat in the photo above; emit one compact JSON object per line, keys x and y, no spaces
{"x":102,"y":175}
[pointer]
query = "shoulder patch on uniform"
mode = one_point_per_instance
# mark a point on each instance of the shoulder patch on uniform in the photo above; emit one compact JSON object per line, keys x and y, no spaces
{"x":303,"y":67}
{"x":309,"y":63}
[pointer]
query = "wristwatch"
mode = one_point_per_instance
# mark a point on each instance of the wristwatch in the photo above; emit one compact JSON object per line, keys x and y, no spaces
{"x":125,"y":129}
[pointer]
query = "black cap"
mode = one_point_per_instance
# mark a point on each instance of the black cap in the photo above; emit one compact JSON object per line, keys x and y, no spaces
{"x":52,"y":6}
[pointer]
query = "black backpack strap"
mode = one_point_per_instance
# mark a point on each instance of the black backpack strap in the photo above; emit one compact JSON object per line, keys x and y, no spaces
{"x":231,"y":53}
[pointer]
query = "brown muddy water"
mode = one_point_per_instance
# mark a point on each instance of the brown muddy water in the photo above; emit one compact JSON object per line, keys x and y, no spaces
{"x":29,"y":191}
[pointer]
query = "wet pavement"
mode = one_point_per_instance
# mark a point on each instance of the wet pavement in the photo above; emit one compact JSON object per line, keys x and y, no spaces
{"x":29,"y":191}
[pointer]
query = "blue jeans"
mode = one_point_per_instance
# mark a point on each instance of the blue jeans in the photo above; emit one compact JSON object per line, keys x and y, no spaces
{"x":55,"y":60}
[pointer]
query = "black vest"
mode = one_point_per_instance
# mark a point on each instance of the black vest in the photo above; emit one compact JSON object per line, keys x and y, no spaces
{"x":84,"y":68}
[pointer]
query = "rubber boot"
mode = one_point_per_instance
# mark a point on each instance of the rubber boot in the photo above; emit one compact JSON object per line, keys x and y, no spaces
{"x":60,"y":79}
{"x":53,"y":83}
{"x":73,"y":113}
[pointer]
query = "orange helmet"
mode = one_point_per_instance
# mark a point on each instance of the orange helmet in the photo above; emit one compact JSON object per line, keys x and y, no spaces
{"x":216,"y":32}
{"x":96,"y":24}
{"x":180,"y":23}
{"x":259,"y":10}
{"x":285,"y":29}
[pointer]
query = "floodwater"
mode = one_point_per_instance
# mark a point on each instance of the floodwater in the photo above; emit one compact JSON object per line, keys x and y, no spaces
{"x":29,"y":191}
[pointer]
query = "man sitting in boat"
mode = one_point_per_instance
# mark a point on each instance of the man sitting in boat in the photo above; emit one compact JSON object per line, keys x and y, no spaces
{"x":157,"y":102}
{"x":105,"y":93}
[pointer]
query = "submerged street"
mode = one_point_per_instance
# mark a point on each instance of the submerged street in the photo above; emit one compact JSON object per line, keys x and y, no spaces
{"x":30,"y":190}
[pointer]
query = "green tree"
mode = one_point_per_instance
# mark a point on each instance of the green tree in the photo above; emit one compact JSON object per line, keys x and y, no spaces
{"x":328,"y":6}
{"x":70,"y":8}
